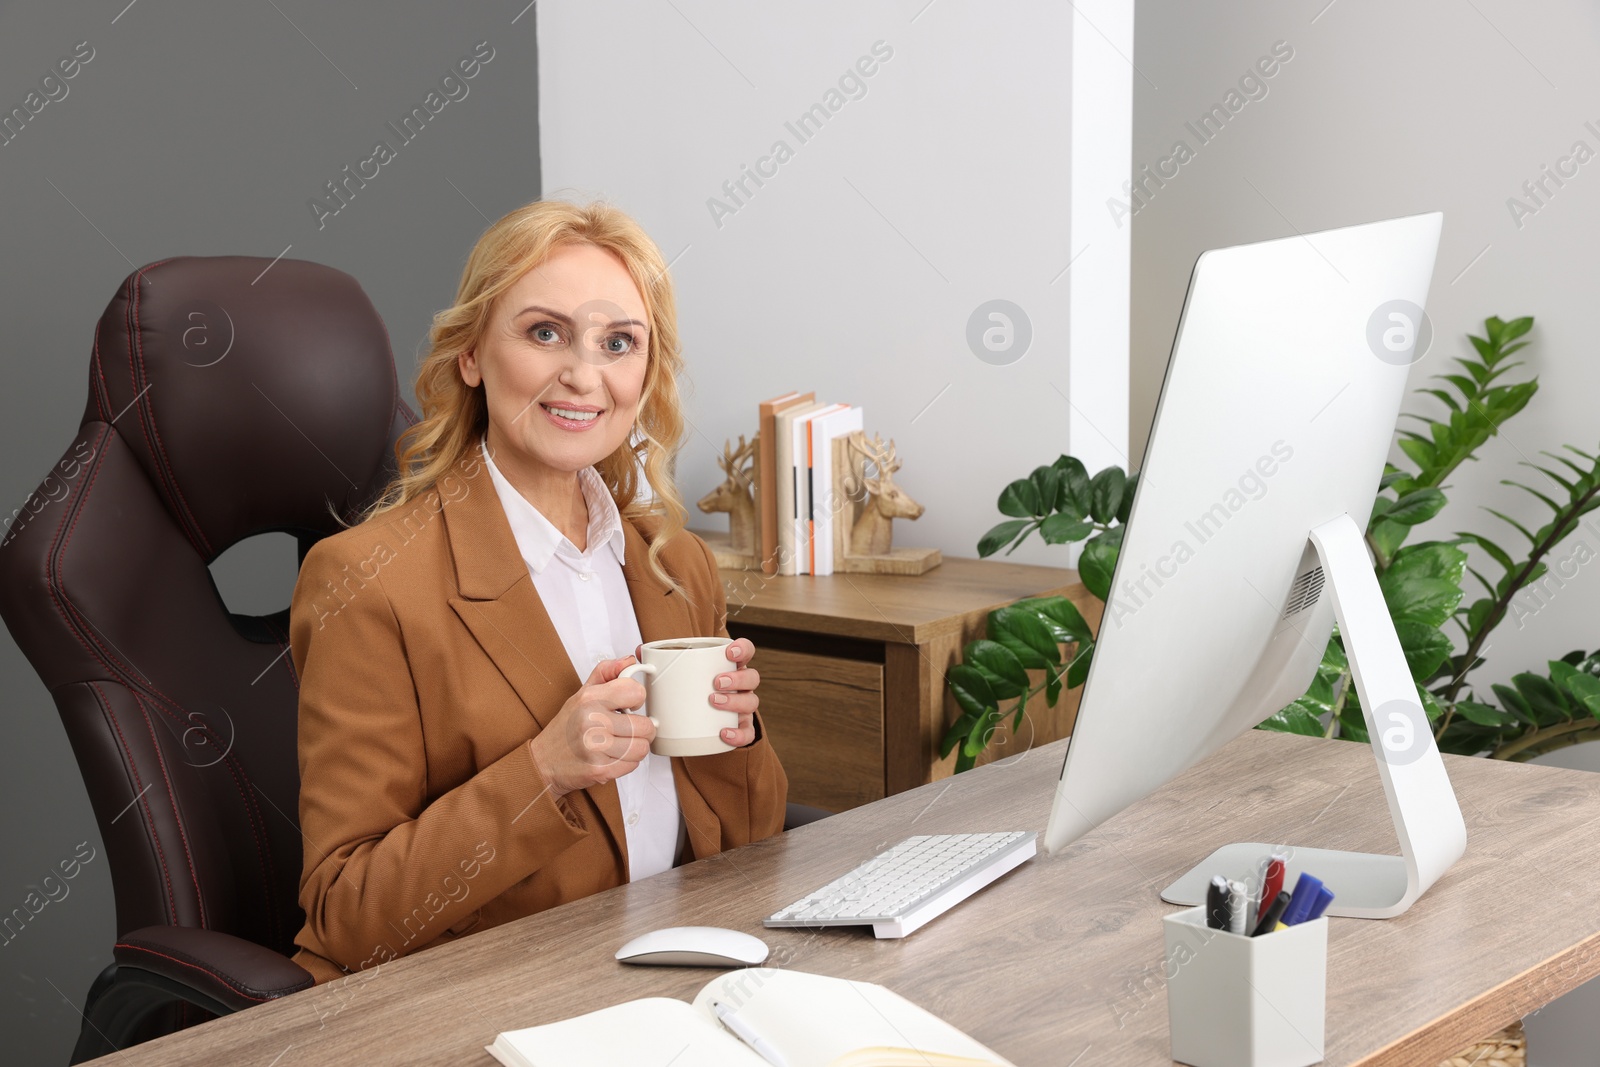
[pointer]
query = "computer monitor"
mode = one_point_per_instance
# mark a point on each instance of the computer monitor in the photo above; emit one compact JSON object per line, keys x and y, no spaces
{"x":1246,"y":541}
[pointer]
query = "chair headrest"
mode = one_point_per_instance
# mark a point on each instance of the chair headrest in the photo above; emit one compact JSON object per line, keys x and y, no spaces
{"x":253,"y":392}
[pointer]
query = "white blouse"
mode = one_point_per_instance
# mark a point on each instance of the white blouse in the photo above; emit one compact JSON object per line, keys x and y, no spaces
{"x":587,"y":599}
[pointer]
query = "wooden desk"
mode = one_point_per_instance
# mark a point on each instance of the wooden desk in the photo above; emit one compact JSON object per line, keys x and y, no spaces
{"x":852,"y":669}
{"x":1060,"y":957}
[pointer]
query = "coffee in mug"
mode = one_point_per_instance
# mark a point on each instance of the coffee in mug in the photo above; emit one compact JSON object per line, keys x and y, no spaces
{"x":679,"y":676}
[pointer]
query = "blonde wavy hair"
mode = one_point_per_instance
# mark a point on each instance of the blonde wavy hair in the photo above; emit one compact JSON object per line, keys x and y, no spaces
{"x":454,"y":416}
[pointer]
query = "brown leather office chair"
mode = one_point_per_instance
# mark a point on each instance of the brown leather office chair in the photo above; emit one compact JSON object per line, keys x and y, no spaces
{"x":228,"y":396}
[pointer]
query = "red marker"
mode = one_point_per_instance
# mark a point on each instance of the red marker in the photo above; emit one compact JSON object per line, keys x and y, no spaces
{"x":1272,"y":882}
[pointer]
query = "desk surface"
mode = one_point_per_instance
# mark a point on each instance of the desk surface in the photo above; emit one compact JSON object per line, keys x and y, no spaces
{"x":1061,"y":957}
{"x":889,"y":607}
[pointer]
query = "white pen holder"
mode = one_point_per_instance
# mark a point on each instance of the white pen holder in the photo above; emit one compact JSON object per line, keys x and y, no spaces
{"x":1239,"y":1001}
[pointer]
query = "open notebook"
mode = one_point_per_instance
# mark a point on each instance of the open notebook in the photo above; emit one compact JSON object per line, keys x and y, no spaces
{"x":802,"y":1020}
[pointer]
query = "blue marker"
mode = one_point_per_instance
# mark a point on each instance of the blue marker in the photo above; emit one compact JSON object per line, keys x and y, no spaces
{"x":1305,"y":897}
{"x":1320,"y":905}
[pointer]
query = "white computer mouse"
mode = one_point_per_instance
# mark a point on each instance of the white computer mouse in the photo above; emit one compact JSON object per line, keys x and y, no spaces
{"x":694,"y":946}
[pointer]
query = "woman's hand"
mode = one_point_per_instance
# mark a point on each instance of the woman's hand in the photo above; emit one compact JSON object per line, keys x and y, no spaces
{"x":590,"y":740}
{"x":736,"y":691}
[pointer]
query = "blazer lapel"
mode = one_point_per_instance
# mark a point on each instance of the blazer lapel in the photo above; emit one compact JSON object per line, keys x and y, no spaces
{"x":496,"y":599}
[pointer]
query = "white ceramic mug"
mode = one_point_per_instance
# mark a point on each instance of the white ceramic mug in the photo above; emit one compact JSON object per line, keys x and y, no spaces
{"x":681,"y":673}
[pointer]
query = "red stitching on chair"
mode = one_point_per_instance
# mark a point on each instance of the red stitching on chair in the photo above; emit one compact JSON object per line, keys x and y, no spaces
{"x":241,"y":781}
{"x":99,"y":384}
{"x":223,"y":979}
{"x":172,"y":798}
{"x":150,"y":824}
{"x":136,"y":344}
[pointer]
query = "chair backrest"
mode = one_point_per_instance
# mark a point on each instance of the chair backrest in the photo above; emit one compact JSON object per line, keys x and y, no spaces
{"x":228,"y":396}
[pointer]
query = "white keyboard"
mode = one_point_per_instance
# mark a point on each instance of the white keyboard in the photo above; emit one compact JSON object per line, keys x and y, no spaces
{"x":903,"y":887}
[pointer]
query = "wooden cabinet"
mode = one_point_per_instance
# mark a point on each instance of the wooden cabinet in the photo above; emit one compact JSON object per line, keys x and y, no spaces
{"x":852,"y":669}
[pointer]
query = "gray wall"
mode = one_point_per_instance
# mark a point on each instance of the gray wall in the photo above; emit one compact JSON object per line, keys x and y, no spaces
{"x":1390,"y":109}
{"x":204,"y":129}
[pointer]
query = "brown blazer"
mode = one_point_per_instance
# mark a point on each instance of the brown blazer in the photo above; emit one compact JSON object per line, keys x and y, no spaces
{"x":426,"y":663}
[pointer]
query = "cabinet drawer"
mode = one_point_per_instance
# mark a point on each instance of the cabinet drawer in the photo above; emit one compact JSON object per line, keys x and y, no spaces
{"x":824,"y":716}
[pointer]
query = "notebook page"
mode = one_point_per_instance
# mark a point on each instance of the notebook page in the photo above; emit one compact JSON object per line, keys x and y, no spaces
{"x":653,"y":1032}
{"x":814,"y":1019}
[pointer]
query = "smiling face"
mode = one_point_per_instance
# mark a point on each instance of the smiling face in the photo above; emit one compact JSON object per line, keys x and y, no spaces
{"x":562,"y":361}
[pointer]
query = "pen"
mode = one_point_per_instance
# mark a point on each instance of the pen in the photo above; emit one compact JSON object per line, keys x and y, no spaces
{"x":1305,"y":895}
{"x":1239,"y":908}
{"x":1320,"y":904}
{"x":1219,"y":911}
{"x":1269,"y":921}
{"x":1272,"y":881}
{"x":742,"y":1031}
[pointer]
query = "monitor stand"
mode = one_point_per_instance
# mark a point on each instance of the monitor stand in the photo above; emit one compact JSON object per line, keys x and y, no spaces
{"x":1427,"y":819}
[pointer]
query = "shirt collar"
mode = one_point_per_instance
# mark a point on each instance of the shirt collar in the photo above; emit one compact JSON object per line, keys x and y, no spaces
{"x":537,"y":537}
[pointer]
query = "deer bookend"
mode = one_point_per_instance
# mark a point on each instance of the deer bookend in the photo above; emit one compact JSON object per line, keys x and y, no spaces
{"x":873,"y":530}
{"x":736,"y":495}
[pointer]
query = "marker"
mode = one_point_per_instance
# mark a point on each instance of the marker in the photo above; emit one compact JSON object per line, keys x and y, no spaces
{"x":742,"y":1031}
{"x":1320,"y":904}
{"x":1305,"y":895}
{"x":1272,"y":881}
{"x":1219,"y":909}
{"x":1269,"y":921}
{"x":1239,"y":908}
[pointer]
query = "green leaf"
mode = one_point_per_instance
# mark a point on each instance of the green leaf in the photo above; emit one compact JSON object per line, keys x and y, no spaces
{"x":1516,"y":328}
{"x":956,"y":733}
{"x":1478,"y":613}
{"x":1483,"y":714}
{"x":982,"y":729}
{"x":1001,"y":669}
{"x":1047,"y":480}
{"x":1543,"y":697}
{"x":1074,"y":483}
{"x":1000,"y":536}
{"x":1417,"y":450}
{"x":1496,"y":553}
{"x":1067,"y":620}
{"x":1387,"y":537}
{"x":1425,"y":647}
{"x":1417,"y":506}
{"x":1429,"y":559}
{"x":1064,"y":527}
{"x":1297,"y":718}
{"x":1096,"y":566}
{"x":970,"y":688}
{"x":1052,"y":687}
{"x":1430,"y":703}
{"x":1020,"y":498}
{"x":1515,"y":703}
{"x":1105,"y":494}
{"x":1027,"y":627}
{"x":1126,"y":507}
{"x":1078,"y":673}
{"x":1585,"y":689}
{"x":1426,"y":600}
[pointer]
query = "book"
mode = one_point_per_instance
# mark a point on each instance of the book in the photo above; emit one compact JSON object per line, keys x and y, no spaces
{"x":784,"y":477}
{"x":826,"y":501}
{"x":802,"y":484}
{"x":806,"y":1020}
{"x":767,"y":476}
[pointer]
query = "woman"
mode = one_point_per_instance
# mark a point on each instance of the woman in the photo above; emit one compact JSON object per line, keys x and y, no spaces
{"x":457,"y":771}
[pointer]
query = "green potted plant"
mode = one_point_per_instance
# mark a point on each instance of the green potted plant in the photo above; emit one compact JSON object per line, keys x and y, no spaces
{"x":1425,"y":584}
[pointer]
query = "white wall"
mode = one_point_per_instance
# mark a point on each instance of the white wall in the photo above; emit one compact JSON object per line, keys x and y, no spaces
{"x":937,"y":183}
{"x":1388,"y":109}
